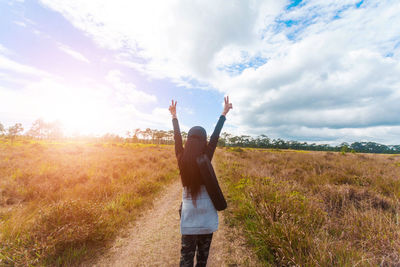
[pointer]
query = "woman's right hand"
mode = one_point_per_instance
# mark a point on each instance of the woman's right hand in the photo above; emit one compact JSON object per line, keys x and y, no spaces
{"x":172,"y":109}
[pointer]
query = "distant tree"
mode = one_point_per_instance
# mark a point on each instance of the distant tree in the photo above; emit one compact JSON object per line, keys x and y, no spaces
{"x":233,"y":140}
{"x":43,"y":130}
{"x":163,"y":136}
{"x":109,"y":137}
{"x":129,"y":138}
{"x":244,"y":140}
{"x":293,"y":144}
{"x":135,"y":136}
{"x":396,"y":148}
{"x":54,"y":130}
{"x":263,"y":141}
{"x":326,"y":147}
{"x":357,"y":146}
{"x":142,"y":134}
{"x":344,"y":147}
{"x":49,"y":130}
{"x":157,"y":136}
{"x":148,"y":134}
{"x":170,"y":136}
{"x":372,"y":147}
{"x":37,"y":129}
{"x":14,"y":131}
{"x":2,"y":129}
{"x":184,"y":136}
{"x":279,"y":143}
{"x":224,"y":139}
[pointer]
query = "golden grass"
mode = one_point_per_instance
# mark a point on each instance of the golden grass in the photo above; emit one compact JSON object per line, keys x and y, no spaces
{"x":60,"y":201}
{"x":315,"y":209}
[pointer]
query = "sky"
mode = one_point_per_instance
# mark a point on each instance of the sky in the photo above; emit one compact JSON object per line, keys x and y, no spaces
{"x":316,"y":71}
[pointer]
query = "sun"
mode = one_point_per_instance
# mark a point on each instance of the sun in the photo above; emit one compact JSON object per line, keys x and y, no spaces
{"x":79,"y":109}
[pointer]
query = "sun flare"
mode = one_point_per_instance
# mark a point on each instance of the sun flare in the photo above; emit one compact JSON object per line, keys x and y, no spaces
{"x":78,"y":110}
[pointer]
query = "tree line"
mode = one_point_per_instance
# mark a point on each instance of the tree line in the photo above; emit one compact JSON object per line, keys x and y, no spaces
{"x":41,"y":130}
{"x":38,"y":130}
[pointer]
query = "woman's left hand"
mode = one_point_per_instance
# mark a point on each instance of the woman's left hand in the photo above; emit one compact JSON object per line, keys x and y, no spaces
{"x":172,"y":109}
{"x":227,"y":106}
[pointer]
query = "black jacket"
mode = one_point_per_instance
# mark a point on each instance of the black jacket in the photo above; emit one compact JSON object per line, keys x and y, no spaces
{"x":211,"y":146}
{"x":215,"y":194}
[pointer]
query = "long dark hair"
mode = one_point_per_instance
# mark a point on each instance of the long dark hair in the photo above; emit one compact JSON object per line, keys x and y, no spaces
{"x":190,"y":173}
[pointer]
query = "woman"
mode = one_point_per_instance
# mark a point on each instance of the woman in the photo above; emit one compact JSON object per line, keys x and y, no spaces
{"x":199,"y":218}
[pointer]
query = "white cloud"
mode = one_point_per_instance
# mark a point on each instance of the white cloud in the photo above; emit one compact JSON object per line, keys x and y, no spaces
{"x":127,"y":92}
{"x":20,"y":23}
{"x":13,"y":72}
{"x":336,"y":75}
{"x":323,"y":67}
{"x":176,"y":38}
{"x":7,"y":64}
{"x":73,"y":53}
{"x":3,"y":50}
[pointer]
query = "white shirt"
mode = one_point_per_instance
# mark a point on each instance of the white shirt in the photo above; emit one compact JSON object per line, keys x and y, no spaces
{"x":202,"y":219}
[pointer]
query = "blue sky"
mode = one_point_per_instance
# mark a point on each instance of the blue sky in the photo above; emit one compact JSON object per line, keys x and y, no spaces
{"x":36,"y":36}
{"x":316,"y":71}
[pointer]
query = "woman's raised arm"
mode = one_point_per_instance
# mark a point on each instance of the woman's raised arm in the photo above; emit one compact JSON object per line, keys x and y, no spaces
{"x":177,"y":131}
{"x":212,"y":145}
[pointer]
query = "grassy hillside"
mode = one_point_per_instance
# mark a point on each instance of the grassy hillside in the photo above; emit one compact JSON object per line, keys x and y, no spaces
{"x":60,"y":201}
{"x":315,"y":208}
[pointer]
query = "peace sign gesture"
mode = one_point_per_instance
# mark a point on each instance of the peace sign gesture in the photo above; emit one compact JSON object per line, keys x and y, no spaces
{"x":227,"y":106}
{"x":172,"y":109}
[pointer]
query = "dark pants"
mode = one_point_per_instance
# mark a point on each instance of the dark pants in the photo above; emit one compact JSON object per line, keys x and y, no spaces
{"x":189,"y":245}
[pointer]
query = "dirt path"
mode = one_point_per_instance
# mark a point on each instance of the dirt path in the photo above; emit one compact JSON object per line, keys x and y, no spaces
{"x":154,"y":240}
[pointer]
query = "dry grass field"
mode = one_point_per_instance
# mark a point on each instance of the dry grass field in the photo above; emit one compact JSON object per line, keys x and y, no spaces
{"x":315,"y":208}
{"x":61,"y":202}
